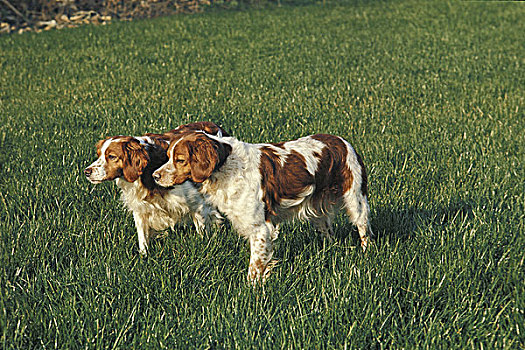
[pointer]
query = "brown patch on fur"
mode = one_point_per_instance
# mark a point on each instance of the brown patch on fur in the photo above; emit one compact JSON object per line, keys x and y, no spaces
{"x":259,"y":265}
{"x":207,"y":127}
{"x":206,"y":156}
{"x":203,"y":157}
{"x":157,"y":157}
{"x":257,"y":270}
{"x":285,"y":181}
{"x":333,"y":175}
{"x":337,"y":152}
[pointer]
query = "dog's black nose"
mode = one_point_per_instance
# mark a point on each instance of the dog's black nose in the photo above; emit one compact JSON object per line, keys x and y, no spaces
{"x":88,"y":171}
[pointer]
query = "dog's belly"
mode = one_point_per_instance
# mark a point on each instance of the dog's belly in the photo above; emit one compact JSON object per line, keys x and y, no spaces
{"x":307,"y":210}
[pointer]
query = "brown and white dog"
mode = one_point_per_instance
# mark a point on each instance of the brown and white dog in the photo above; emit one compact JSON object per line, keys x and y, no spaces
{"x":258,"y":186}
{"x":130,"y":161}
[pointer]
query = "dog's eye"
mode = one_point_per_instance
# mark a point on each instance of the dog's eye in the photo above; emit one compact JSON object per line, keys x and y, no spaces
{"x":180,"y":161}
{"x":112,"y":157}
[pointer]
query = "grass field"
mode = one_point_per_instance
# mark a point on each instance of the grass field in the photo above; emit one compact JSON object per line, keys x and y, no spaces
{"x":431,"y":94}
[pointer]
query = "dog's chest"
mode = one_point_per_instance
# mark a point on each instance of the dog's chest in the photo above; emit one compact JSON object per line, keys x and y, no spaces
{"x":160,"y":211}
{"x":235,"y":191}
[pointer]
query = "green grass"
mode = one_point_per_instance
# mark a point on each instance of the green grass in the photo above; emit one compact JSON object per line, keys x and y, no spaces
{"x":430,"y":93}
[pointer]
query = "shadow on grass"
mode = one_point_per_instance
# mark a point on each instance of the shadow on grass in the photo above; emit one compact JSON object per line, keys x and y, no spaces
{"x":389,"y":224}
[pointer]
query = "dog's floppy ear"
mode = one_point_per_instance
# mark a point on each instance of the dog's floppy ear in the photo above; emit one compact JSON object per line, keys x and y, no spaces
{"x":206,"y":155}
{"x":156,"y":158}
{"x":223,"y":151}
{"x":135,"y":160}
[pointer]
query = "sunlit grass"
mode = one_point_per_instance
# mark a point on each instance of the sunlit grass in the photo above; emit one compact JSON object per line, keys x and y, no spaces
{"x":430,"y":94}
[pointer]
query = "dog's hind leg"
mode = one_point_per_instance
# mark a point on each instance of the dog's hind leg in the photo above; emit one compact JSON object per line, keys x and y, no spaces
{"x":356,"y":205}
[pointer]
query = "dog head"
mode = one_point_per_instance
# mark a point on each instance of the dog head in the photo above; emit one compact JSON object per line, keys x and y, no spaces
{"x":191,"y":156}
{"x":119,"y":156}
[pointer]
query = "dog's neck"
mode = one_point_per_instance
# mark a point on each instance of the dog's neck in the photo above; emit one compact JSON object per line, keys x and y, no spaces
{"x":226,"y":180}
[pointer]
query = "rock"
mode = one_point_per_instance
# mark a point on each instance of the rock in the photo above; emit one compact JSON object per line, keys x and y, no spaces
{"x":64,"y":19}
{"x":46,"y":24}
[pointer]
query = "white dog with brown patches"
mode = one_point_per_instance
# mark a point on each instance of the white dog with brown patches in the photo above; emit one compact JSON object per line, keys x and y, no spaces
{"x":257,"y":186}
{"x":130,"y":161}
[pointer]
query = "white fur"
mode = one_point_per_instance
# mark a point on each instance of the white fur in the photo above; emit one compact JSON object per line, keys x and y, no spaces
{"x":157,"y":213}
{"x":98,"y":167}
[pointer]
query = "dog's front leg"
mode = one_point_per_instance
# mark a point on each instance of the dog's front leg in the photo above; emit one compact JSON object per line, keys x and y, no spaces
{"x":142,"y":233}
{"x":261,"y":252}
{"x":201,"y":223}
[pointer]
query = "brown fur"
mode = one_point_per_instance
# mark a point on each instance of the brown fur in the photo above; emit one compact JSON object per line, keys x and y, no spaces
{"x":333,"y":176}
{"x":282,"y":181}
{"x":339,"y":153}
{"x":135,"y":159}
{"x":207,"y":127}
{"x":157,"y":157}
